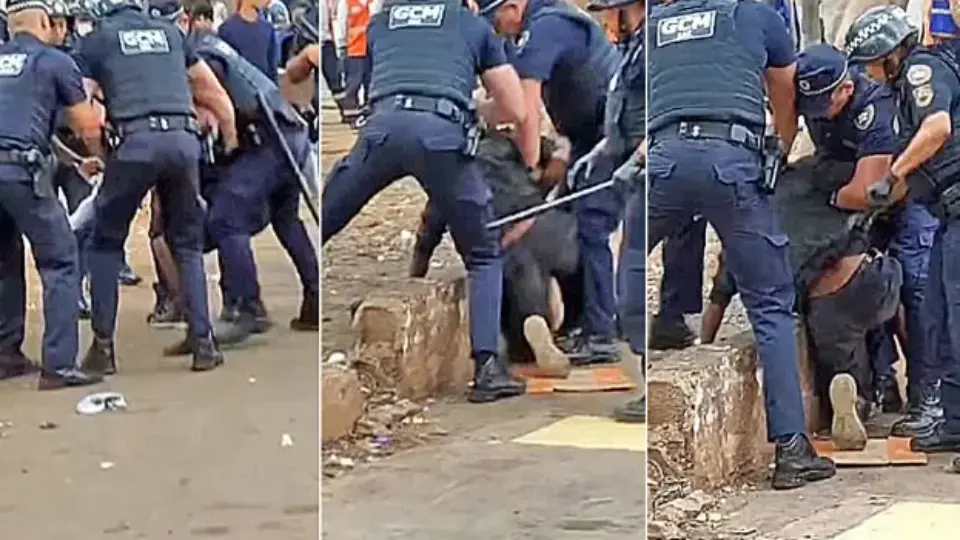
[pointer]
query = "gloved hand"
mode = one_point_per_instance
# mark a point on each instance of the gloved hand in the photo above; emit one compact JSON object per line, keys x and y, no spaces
{"x":879,"y":193}
{"x":631,"y":172}
{"x":584,"y":165}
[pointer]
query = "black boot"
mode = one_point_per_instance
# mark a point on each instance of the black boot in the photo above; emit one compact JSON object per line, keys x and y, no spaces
{"x":15,"y":364}
{"x":100,"y":357}
{"x":236,"y":329}
{"x":127,"y":277}
{"x":165,"y":312}
{"x":888,"y":396}
{"x":261,"y":318}
{"x":936,"y":441}
{"x":665,"y":336}
{"x":594,"y":350}
{"x":492,"y":381}
{"x":309,"y":318}
{"x":67,"y":377}
{"x":798,"y":463}
{"x":924,"y":414}
{"x":632,"y":412}
{"x":206,"y":355}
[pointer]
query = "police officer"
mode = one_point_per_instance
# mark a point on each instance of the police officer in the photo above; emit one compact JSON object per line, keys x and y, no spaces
{"x":707,"y":65}
{"x":926,"y":84}
{"x":146,"y":72}
{"x":943,"y":28}
{"x":256,"y":181}
{"x":426,"y":56}
{"x":624,"y":129}
{"x":681,"y":286}
{"x":850,"y":119}
{"x":35,"y":80}
{"x":563,"y":54}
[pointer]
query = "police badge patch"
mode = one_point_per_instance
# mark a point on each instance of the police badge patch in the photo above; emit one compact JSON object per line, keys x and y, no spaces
{"x":11,"y":65}
{"x":865,"y":119}
{"x":923,"y":95}
{"x":149,"y":41}
{"x":416,"y":16}
{"x":686,"y":27}
{"x":919,"y":74}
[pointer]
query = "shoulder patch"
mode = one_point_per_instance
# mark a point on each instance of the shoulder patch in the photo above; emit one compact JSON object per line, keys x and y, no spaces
{"x":150,"y":41}
{"x":865,"y":119}
{"x":11,"y":65}
{"x":688,"y":27}
{"x":919,"y":74}
{"x":923,"y":95}
{"x":416,"y":16}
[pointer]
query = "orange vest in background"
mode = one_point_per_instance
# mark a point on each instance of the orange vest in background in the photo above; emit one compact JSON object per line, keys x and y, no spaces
{"x":358,"y":17}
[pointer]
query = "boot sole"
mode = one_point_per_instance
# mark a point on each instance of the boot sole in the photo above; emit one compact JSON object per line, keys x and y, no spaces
{"x":847,"y":429}
{"x":179,"y":325}
{"x":802,"y":479}
{"x":478,"y":396}
{"x":551,"y":361}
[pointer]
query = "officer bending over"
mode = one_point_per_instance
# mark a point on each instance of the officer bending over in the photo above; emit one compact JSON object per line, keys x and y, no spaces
{"x":706,"y":156}
{"x":426,"y":58}
{"x":146,"y":73}
{"x":535,"y":250}
{"x":565,"y":61}
{"x":927,"y":90}
{"x":624,"y":129}
{"x":36,"y":80}
{"x":256,"y":180}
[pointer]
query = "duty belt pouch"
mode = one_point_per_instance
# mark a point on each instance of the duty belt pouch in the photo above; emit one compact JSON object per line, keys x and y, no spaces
{"x":42,"y":173}
{"x":949,"y":202}
{"x":772,"y":163}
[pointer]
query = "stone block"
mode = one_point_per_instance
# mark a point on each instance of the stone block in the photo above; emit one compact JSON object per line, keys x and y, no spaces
{"x":706,"y":413}
{"x":415,"y":333}
{"x":343,"y":401}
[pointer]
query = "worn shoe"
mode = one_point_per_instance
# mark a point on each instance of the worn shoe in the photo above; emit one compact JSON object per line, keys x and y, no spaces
{"x":15,"y":364}
{"x":67,"y":377}
{"x":664,"y":336}
{"x":847,"y":430}
{"x":309,"y":318}
{"x":127,"y":277}
{"x":165,"y":312}
{"x":797,"y":463}
{"x":236,"y":331}
{"x":550,"y":359}
{"x":632,"y":412}
{"x":594,"y":350}
{"x":206,"y":355}
{"x":937,"y":441}
{"x":100,"y":357}
{"x":923,"y":415}
{"x":492,"y":381}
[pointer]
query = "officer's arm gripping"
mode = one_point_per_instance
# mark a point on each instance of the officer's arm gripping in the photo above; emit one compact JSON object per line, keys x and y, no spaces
{"x":934,"y":132}
{"x":503,"y":84}
{"x":302,"y":65}
{"x":529,"y":133}
{"x":782,"y":94}
{"x":209,"y":94}
{"x":853,"y":196}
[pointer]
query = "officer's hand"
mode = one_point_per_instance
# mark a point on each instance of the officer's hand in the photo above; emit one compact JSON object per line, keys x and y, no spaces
{"x":90,"y":166}
{"x":630,"y":172}
{"x":583,"y":167}
{"x":879,"y":193}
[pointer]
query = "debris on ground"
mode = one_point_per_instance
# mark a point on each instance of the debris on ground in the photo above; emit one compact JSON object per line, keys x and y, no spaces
{"x":101,"y":401}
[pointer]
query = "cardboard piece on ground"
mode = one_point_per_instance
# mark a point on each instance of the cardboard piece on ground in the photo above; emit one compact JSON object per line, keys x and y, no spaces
{"x":601,"y":379}
{"x":589,"y":432}
{"x":878,"y":453}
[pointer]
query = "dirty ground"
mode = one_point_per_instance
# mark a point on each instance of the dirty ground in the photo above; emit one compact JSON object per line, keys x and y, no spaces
{"x":879,"y":503}
{"x":196,"y":455}
{"x":449,"y":469}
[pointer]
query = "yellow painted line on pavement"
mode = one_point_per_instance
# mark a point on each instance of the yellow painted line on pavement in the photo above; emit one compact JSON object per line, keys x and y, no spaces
{"x":590,"y":433}
{"x":907,"y":520}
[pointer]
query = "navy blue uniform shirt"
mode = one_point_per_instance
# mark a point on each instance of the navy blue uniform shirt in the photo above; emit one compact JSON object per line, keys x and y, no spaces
{"x":58,"y":84}
{"x":774,"y":48}
{"x":858,"y":131}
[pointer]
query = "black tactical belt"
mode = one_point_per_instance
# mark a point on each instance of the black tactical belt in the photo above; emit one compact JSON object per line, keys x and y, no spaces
{"x":21,"y":157}
{"x":443,"y":107}
{"x":711,"y":129}
{"x":158,"y":123}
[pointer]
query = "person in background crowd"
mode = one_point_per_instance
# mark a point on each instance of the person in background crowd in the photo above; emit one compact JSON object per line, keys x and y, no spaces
{"x":253,"y":37}
{"x":330,"y":63}
{"x":202,"y":16}
{"x":351,"y":18}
